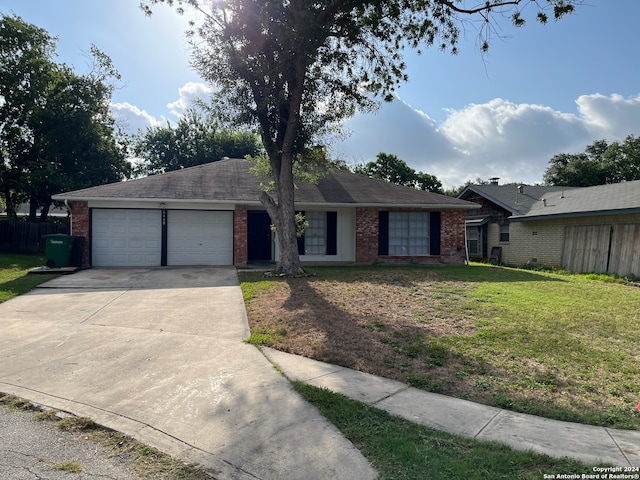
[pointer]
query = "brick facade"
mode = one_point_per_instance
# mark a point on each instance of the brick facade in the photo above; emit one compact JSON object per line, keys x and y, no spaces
{"x":366,"y":236}
{"x":80,"y":227}
{"x":452,"y":248}
{"x":240,"y":234}
{"x":366,"y":241}
{"x":498,"y":214}
{"x":452,"y":225}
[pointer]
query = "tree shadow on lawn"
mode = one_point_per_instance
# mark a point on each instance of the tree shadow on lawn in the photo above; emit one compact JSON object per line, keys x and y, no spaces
{"x":370,"y":330}
{"x":372,"y":340}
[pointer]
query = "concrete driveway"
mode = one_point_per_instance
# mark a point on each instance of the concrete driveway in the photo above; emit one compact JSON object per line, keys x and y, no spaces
{"x":158,"y":354}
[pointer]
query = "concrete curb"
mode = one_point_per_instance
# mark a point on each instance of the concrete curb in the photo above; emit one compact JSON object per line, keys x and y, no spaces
{"x":589,"y":444}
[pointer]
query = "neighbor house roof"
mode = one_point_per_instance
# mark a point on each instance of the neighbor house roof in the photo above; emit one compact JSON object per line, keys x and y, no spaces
{"x":516,"y":199}
{"x":612,"y":199}
{"x":230,"y":181}
{"x":54,"y":211}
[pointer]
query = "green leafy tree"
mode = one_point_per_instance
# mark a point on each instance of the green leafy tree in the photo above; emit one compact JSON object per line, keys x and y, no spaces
{"x":599,"y":164}
{"x":622,"y":160}
{"x":392,"y":169}
{"x":25,"y":72}
{"x":296,"y":68}
{"x":195,"y":139}
{"x":56,"y":132}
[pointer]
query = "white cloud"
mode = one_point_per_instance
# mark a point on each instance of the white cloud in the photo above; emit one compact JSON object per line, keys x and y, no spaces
{"x":499,"y":138}
{"x":612,"y":117}
{"x":131,"y":118}
{"x":187,"y":95}
{"x":398,"y":129}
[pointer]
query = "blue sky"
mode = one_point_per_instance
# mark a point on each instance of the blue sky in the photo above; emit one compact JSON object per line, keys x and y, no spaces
{"x":541,"y":90}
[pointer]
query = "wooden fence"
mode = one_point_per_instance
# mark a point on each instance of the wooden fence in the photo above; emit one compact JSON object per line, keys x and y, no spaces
{"x":26,"y":237}
{"x":602,"y":249}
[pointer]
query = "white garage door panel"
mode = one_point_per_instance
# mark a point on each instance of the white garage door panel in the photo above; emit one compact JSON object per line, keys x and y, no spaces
{"x":198,"y":237}
{"x":126,"y":238}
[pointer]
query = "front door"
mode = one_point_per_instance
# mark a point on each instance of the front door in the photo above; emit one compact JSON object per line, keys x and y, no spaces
{"x":259,"y":236}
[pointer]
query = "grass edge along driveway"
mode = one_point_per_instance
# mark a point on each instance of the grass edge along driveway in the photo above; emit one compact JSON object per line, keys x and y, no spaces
{"x":14,"y":274}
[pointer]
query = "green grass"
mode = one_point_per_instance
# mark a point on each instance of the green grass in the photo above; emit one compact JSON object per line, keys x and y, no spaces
{"x":557,"y":334}
{"x":399,"y":449}
{"x":69,"y":467}
{"x":553,"y":344}
{"x":14,"y":278}
{"x":265,"y":336}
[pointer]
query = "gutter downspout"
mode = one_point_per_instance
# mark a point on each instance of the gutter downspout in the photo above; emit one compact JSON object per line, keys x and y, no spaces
{"x":466,"y":244}
{"x":66,"y":204}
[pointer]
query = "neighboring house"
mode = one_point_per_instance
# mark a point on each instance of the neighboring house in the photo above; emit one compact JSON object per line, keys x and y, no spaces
{"x":23,"y":211}
{"x":210,"y":215}
{"x":591,"y":229}
{"x":490,"y":226}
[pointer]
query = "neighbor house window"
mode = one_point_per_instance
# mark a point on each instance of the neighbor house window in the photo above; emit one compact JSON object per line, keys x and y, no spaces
{"x":320,"y":235}
{"x":408,"y":233}
{"x":473,"y":239}
{"x":504,"y":233}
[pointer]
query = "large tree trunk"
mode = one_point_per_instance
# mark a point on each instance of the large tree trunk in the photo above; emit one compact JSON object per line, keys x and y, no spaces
{"x":44,"y":214}
{"x":33,"y":209}
{"x":10,"y":205}
{"x":282,"y":215}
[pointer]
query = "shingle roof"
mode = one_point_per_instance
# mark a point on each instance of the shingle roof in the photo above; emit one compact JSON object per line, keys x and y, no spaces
{"x":509,"y":197}
{"x":611,"y":199}
{"x":230,"y":180}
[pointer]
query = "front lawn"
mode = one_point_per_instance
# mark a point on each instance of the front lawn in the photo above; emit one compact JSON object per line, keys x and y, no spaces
{"x":556,"y":345}
{"x":14,"y":278}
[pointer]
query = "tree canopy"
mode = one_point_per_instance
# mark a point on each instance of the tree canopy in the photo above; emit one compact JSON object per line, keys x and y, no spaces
{"x":297,"y":68}
{"x":195,"y":139}
{"x":56,"y":132}
{"x":392,"y":169}
{"x":599,"y":164}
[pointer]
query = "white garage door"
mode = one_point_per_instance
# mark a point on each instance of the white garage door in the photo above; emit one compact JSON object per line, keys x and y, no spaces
{"x":198,"y":237}
{"x":126,"y":238}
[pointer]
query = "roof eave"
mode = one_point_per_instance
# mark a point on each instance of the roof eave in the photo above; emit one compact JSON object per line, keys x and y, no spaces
{"x":62,"y":197}
{"x":508,"y":208}
{"x":394,"y":205}
{"x":591,"y":213}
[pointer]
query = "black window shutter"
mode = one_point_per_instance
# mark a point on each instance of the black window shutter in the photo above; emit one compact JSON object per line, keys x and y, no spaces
{"x":332,"y":233}
{"x":383,"y":233}
{"x":434,"y":232}
{"x":301,"y":241}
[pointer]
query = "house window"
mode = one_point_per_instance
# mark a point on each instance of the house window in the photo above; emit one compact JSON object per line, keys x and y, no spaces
{"x":315,"y":234}
{"x":504,"y":233}
{"x":409,"y":233}
{"x":321,"y":235}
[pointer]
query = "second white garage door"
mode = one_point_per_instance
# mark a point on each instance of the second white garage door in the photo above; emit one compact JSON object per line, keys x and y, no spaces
{"x":198,"y":237}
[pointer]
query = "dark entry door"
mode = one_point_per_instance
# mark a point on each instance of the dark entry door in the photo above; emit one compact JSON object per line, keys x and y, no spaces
{"x":259,"y":236}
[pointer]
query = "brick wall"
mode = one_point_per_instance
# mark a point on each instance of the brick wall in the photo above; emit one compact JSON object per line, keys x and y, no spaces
{"x":366,"y":235}
{"x":80,"y":227}
{"x":452,"y":224}
{"x":240,"y":234}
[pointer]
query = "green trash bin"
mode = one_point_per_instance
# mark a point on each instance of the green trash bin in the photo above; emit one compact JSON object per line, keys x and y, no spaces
{"x":58,"y":249}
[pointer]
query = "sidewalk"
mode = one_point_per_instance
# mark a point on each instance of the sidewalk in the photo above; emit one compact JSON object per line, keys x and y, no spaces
{"x":589,"y":444}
